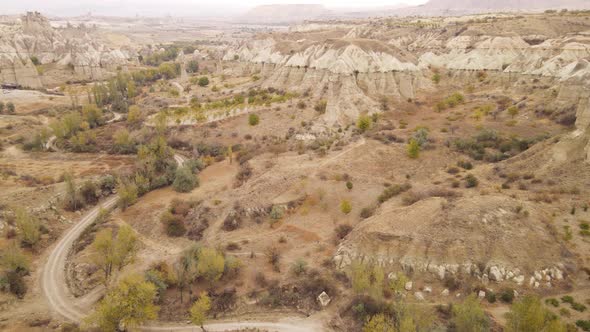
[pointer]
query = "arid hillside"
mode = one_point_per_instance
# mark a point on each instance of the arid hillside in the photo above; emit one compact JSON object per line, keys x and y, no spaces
{"x":391,"y":174}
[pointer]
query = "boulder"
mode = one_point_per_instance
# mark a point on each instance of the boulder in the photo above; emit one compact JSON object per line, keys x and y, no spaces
{"x":408,"y":286}
{"x":324,"y":299}
{"x":419,"y":296}
{"x":495,"y":274}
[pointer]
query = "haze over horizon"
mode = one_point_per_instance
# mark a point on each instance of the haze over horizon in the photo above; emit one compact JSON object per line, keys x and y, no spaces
{"x":182,"y":8}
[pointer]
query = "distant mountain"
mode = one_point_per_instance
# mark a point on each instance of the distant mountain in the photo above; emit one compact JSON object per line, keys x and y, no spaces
{"x":276,"y":14}
{"x":455,"y":7}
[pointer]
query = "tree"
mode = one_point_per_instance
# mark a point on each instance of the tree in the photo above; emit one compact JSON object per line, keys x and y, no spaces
{"x":200,"y":309}
{"x":13,"y":259}
{"x":128,"y":305}
{"x":28,"y":228}
{"x":93,"y":115}
{"x":367,"y":278}
{"x":1,"y":107}
{"x":363,"y":123}
{"x":412,"y":317}
{"x":185,"y":180}
{"x":413,"y":149}
{"x":469,"y":316}
{"x":529,"y":314}
{"x":253,"y":119}
{"x":110,"y":252}
{"x":192,"y":66}
{"x":10,"y":108}
{"x":123,"y":143}
{"x":230,"y":154}
{"x":127,"y":192}
{"x":513,"y":111}
{"x":102,"y":252}
{"x":134,"y":115}
{"x":203,"y":81}
{"x":15,"y":266}
{"x":186,"y":269}
{"x":90,"y":192}
{"x":379,"y":323}
{"x":210,"y":265}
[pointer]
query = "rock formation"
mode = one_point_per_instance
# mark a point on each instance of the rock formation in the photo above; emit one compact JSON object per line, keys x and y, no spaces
{"x":34,"y":38}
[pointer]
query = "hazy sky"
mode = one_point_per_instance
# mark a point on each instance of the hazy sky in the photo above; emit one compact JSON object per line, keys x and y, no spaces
{"x":172,"y":7}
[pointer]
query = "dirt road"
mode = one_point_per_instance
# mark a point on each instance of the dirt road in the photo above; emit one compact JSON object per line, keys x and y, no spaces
{"x":55,"y":289}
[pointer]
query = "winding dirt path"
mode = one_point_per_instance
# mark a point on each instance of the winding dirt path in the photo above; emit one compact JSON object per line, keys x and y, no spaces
{"x":55,"y":289}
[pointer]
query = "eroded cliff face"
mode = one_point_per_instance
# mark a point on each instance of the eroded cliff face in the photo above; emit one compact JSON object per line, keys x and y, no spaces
{"x":33,"y":36}
{"x":353,"y":72}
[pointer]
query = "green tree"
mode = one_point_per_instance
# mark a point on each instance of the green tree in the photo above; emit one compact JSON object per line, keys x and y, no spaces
{"x":28,"y":228}
{"x":413,"y":317}
{"x":367,"y":278}
{"x":363,"y":123}
{"x":13,"y":259}
{"x":253,"y":119}
{"x":127,"y":192}
{"x":413,"y":149}
{"x":93,"y":115}
{"x":469,"y":316}
{"x":379,"y":323}
{"x":185,"y":180}
{"x":109,"y":252}
{"x":1,"y":107}
{"x":513,"y":111}
{"x":199,"y":310}
{"x":210,"y":265}
{"x":192,"y":66}
{"x":123,"y":143}
{"x":186,"y":269}
{"x":529,"y":315}
{"x":128,"y":305}
{"x":134,"y":115}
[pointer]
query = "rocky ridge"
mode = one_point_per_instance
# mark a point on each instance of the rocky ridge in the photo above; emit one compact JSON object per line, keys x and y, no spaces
{"x":73,"y":49}
{"x":354,"y":71}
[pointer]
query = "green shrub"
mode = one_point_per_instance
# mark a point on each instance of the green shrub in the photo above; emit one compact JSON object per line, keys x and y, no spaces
{"x":471,"y":181}
{"x":253,"y":119}
{"x":583,"y":324}
{"x":349,"y":185}
{"x":413,"y":149}
{"x":363,"y":123}
{"x":367,"y":212}
{"x":173,"y":224}
{"x":436,"y":78}
{"x":578,"y":307}
{"x":10,"y":108}
{"x":184,"y":180}
{"x":299,"y":267}
{"x":552,"y":301}
{"x":321,"y":106}
{"x":345,"y":206}
{"x":203,"y":81}
{"x":392,"y":191}
{"x":507,"y":295}
{"x":465,"y":164}
{"x":342,"y":230}
{"x":567,"y":299}
{"x":277,"y":212}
